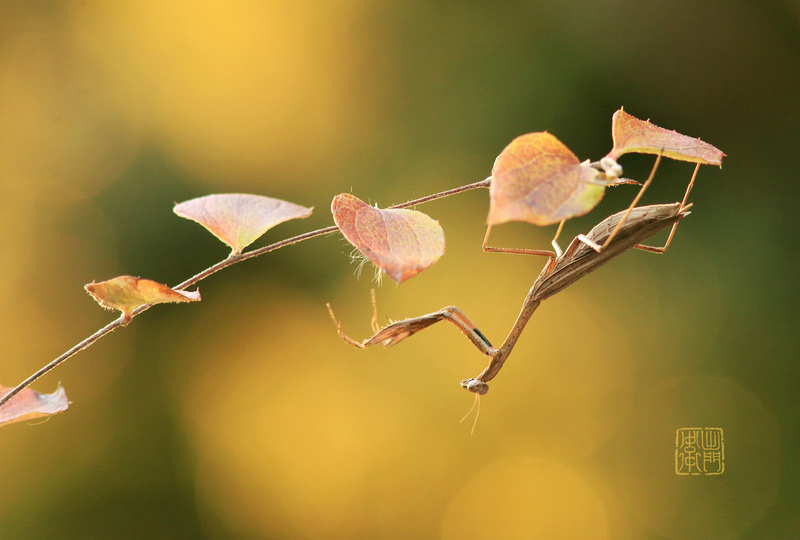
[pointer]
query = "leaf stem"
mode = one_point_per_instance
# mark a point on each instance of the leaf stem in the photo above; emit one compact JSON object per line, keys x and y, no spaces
{"x":230,"y":261}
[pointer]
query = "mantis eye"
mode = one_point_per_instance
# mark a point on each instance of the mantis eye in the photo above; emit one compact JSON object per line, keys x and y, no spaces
{"x":475,"y":386}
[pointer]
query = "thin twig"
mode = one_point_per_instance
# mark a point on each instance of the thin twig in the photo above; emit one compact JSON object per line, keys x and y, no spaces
{"x":230,"y":261}
{"x":483,"y":183}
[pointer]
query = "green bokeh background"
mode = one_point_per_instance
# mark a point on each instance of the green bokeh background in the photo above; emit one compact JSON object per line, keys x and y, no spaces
{"x":245,"y":416}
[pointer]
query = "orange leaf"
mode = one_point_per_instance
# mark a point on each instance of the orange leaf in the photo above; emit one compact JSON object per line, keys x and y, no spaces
{"x":539,"y":180}
{"x":400,"y":242}
{"x":239,"y":219}
{"x":126,"y":293}
{"x":633,"y":135}
{"x":30,"y":404}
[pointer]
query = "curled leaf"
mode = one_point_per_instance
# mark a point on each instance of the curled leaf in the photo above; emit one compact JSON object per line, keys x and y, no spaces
{"x":29,"y":404}
{"x":239,"y":219}
{"x":633,"y":135}
{"x":126,"y":293}
{"x":400,"y":242}
{"x":538,"y":179}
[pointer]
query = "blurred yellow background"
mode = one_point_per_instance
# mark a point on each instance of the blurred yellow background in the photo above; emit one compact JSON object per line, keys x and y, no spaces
{"x":245,"y":416}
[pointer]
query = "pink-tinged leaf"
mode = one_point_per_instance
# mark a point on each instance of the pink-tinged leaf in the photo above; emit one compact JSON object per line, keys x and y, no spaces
{"x":126,"y":293}
{"x":633,"y":135}
{"x":239,"y":219}
{"x":29,"y":404}
{"x":539,"y":180}
{"x":400,"y":242}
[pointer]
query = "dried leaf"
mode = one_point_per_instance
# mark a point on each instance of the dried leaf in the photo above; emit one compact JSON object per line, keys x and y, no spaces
{"x":400,"y":242}
{"x":633,"y":135}
{"x":539,"y":180}
{"x":239,"y":219}
{"x":30,"y":404}
{"x":126,"y":293}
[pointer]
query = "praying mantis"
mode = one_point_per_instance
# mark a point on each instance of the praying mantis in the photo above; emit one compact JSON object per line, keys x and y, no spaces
{"x":609,"y":238}
{"x":578,"y":260}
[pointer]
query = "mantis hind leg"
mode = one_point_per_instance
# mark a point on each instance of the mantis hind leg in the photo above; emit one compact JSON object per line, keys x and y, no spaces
{"x":684,"y":206}
{"x":627,"y":212}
